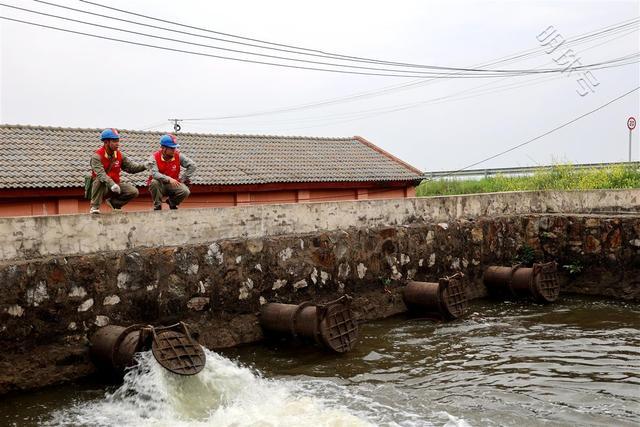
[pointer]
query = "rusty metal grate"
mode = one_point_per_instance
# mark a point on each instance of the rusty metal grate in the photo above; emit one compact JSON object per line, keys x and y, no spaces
{"x":339,"y":329}
{"x":454,"y":296}
{"x":178,"y":353}
{"x":547,"y":282}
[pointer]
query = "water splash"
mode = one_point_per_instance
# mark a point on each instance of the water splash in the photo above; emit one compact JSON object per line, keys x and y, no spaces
{"x":223,"y":394}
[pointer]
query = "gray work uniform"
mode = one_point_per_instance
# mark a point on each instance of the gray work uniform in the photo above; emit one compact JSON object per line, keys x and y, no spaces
{"x":159,"y":186}
{"x":102,"y":183}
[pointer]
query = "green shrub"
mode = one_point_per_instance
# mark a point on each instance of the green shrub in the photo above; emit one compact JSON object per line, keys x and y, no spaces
{"x":558,"y":177}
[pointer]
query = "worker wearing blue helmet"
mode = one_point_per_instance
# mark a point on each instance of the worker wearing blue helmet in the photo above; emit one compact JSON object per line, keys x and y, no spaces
{"x":167,"y":178}
{"x":107,"y":162}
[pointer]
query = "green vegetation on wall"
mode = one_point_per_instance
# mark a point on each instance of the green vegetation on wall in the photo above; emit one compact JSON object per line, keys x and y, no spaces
{"x":559,"y":177}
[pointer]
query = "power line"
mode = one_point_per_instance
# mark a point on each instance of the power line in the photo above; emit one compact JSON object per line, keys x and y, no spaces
{"x":363,"y":114}
{"x":529,"y":141}
{"x":152,"y":126}
{"x":321,"y":55}
{"x":582,"y":38}
{"x":461,"y":72}
{"x":109,"y":27}
{"x":599,"y":33}
{"x":212,"y":31}
{"x":366,"y":114}
{"x":201,"y":53}
{"x":473,"y":93}
{"x":326,"y":54}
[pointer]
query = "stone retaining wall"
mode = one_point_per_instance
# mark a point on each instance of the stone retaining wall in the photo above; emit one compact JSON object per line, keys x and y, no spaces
{"x":49,"y":306}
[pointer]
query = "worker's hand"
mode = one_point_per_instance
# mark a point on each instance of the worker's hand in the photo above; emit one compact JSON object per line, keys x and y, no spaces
{"x":173,"y":182}
{"x":115,"y":188}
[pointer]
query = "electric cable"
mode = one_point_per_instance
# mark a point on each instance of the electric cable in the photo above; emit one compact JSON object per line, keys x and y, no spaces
{"x":323,"y":55}
{"x":473,"y":93}
{"x":374,"y":93}
{"x":469,"y":93}
{"x":335,"y":55}
{"x":461,"y":72}
{"x":201,"y":53}
{"x":529,"y":141}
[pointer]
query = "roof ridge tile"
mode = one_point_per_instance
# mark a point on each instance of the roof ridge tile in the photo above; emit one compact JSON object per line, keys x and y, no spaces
{"x":138,"y":131}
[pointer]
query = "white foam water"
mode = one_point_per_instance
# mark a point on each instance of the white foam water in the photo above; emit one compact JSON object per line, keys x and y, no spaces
{"x":223,"y":394}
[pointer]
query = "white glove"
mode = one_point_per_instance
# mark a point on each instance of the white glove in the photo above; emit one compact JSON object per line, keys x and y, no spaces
{"x":115,"y":188}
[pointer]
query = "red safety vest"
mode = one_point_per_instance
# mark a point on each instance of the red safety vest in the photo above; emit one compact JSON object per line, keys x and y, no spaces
{"x":116,"y":167}
{"x":169,"y":168}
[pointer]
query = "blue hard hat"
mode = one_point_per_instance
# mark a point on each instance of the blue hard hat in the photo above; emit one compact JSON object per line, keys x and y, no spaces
{"x":168,"y":140}
{"x":110,"y":133}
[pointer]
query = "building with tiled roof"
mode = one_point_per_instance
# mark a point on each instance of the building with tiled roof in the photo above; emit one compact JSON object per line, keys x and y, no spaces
{"x":42,"y":169}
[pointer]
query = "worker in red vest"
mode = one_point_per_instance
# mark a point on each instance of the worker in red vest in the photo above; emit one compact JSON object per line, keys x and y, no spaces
{"x":165,"y":166}
{"x":106,"y":164}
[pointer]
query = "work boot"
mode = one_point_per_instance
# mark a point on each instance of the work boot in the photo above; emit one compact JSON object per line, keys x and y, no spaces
{"x":108,"y":202}
{"x":171,"y":204}
{"x":157,"y":208}
{"x":95,"y":211}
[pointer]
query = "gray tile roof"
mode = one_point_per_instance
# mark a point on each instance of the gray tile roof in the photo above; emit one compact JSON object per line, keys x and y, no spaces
{"x":37,"y":157}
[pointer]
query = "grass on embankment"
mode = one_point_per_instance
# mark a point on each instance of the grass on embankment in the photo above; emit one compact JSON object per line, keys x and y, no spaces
{"x":559,"y":177}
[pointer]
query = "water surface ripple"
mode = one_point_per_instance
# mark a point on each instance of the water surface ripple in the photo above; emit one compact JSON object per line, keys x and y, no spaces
{"x":576,"y":362}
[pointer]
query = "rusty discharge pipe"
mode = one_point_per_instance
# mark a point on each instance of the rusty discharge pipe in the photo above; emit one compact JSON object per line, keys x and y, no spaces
{"x":539,"y":282}
{"x":113,"y":348}
{"x":447,"y":298}
{"x":331,"y":325}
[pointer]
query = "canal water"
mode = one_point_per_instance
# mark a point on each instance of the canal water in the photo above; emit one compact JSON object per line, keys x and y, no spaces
{"x":573,"y":363}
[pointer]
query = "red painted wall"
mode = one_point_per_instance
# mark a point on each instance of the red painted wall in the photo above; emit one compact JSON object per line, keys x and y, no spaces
{"x":31,"y":202}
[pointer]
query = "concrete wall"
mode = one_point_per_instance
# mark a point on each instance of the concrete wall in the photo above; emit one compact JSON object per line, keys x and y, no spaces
{"x":34,"y":237}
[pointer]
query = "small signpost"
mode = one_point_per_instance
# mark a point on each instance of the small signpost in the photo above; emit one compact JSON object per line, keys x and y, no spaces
{"x":631,"y":124}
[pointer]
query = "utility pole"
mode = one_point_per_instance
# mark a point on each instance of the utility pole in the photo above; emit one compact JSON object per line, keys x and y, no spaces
{"x":631,"y":124}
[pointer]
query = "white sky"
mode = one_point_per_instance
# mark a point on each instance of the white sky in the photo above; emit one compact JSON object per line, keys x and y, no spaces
{"x":57,"y":79}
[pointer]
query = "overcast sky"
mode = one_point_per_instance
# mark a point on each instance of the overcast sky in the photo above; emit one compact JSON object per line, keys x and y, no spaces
{"x":58,"y":79}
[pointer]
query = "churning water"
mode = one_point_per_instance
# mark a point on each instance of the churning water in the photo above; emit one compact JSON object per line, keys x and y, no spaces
{"x":576,"y":362}
{"x":223,"y":394}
